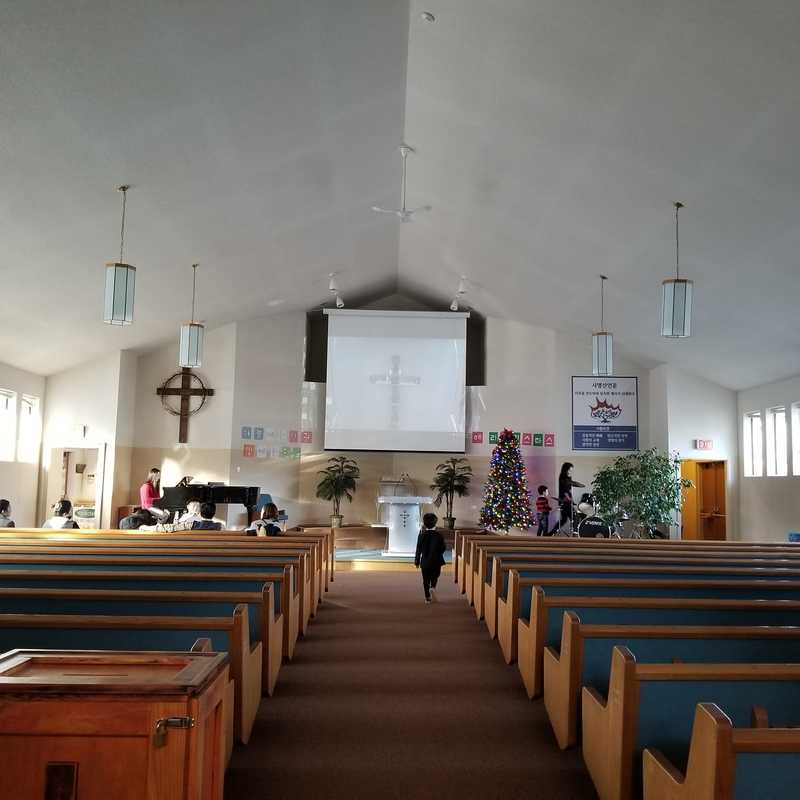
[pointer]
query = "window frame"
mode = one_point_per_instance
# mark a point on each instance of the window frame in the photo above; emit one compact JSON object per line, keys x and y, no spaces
{"x":753,"y":457}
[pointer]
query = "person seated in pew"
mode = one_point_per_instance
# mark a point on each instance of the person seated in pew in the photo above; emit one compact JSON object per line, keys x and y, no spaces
{"x":134,"y":522}
{"x":185,"y":523}
{"x":5,"y":515}
{"x":207,"y":523}
{"x":191,"y":515}
{"x":62,"y":517}
{"x":268,"y":525}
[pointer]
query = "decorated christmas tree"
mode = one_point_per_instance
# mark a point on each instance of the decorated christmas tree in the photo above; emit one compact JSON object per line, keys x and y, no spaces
{"x":506,"y":502}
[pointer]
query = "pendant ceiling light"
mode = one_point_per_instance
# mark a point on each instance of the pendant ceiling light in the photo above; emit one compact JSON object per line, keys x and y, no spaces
{"x":191,"y":348}
{"x":677,"y":296}
{"x":602,"y":341}
{"x":120,"y":280}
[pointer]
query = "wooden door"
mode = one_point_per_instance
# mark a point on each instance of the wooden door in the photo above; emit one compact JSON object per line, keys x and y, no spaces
{"x":689,"y":511}
{"x":712,"y":508}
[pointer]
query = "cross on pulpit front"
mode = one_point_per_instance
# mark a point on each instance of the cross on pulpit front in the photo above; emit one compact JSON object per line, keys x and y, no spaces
{"x":186,"y":391}
{"x":405,"y":517}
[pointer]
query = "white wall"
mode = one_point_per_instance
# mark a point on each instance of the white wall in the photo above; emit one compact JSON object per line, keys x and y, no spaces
{"x":268,"y":394}
{"x":18,"y":480}
{"x":769,"y":507}
{"x":210,"y":427}
{"x":700,"y":409}
{"x":528,"y":389}
{"x":81,"y":411}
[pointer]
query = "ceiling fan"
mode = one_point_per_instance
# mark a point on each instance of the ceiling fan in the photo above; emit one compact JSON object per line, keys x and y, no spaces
{"x":404,"y":214}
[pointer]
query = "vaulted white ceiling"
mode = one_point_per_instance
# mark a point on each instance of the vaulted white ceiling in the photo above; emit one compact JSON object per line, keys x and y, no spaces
{"x":552,"y":138}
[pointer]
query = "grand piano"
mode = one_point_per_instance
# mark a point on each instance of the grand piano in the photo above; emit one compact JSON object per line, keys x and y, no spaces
{"x":176,"y":498}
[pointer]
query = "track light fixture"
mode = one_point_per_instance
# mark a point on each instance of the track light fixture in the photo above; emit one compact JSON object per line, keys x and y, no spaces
{"x":339,"y":302}
{"x":460,"y":292}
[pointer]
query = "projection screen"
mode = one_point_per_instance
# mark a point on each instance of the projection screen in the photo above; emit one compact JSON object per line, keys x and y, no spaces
{"x":395,"y":381}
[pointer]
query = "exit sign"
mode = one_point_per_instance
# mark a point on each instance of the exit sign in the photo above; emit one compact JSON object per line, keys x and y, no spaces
{"x":704,"y":444}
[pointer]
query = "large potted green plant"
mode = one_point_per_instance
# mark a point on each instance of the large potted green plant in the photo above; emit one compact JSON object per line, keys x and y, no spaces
{"x":645,"y":487}
{"x":338,"y":480}
{"x":452,"y":478}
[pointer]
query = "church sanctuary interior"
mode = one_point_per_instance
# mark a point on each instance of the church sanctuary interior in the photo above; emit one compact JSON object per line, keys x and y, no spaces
{"x":400,"y":399}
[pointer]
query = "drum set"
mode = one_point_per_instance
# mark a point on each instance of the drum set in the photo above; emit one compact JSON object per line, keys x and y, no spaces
{"x":583,"y":522}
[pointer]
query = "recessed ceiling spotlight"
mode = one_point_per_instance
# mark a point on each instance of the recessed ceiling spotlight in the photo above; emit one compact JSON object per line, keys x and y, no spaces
{"x":427,"y":16}
{"x":276,"y":302}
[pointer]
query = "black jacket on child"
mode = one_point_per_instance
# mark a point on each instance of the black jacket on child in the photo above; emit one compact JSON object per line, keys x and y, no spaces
{"x":430,"y":549}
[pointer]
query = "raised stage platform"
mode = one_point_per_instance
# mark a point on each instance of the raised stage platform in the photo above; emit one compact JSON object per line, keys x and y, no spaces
{"x":374,"y":559}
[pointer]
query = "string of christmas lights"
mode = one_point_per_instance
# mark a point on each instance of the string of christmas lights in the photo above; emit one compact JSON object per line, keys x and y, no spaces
{"x":506,"y":500}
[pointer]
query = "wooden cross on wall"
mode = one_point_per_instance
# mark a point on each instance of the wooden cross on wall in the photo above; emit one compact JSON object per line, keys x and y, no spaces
{"x":186,"y":392}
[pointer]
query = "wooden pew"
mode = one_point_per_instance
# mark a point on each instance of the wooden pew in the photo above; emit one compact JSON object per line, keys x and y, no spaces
{"x":653,"y":705}
{"x":727,"y":762}
{"x":76,"y":573}
{"x":323,"y":537}
{"x":485,"y":601}
{"x":467,"y":545}
{"x":584,"y":657}
{"x":547,"y":618}
{"x":109,"y":632}
{"x":201,"y":585}
{"x":308,"y":581}
{"x":474,"y":546}
{"x":518,"y":602}
{"x":171,"y":562}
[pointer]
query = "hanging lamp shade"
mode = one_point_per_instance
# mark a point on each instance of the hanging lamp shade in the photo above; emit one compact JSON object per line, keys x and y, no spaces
{"x":190,"y":352}
{"x":191,"y":346}
{"x":602,"y":340}
{"x":120,"y":280}
{"x":676,"y":308}
{"x":602,"y":353}
{"x":120,"y":292}
{"x":677,"y":295}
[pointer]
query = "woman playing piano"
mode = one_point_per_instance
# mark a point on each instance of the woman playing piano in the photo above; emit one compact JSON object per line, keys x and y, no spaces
{"x":150,"y":491}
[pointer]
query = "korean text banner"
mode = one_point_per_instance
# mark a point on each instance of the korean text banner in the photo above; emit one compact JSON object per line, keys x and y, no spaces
{"x":605,"y":413}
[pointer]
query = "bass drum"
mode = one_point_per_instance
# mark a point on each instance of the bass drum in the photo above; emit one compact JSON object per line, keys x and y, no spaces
{"x":594,"y":528}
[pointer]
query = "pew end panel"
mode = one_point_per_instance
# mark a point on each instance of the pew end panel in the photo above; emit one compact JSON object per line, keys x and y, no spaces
{"x":530,"y":644}
{"x":727,"y":762}
{"x":609,"y":729}
{"x":507,"y":615}
{"x":709,"y":773}
{"x":271,"y":640}
{"x":562,"y":685}
{"x":246,"y":660}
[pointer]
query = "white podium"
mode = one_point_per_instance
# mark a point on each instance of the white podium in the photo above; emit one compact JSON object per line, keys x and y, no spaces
{"x":404,"y":523}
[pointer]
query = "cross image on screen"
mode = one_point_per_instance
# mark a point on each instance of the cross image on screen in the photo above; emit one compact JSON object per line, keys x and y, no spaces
{"x":395,"y":381}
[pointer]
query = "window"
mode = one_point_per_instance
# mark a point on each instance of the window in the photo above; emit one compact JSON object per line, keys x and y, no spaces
{"x":8,"y":424}
{"x":752,"y":445}
{"x":30,"y":429}
{"x":777,"y":457}
{"x":796,"y":438}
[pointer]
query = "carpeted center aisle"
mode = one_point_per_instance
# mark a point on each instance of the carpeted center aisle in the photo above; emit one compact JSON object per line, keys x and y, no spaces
{"x":389,"y":697}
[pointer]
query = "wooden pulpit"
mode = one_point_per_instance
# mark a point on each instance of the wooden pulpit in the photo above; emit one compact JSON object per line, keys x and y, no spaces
{"x":88,"y":725}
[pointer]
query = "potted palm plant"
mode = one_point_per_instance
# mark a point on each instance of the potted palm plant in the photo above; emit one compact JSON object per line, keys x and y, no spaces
{"x":338,"y":480}
{"x":452,"y":478}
